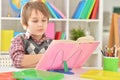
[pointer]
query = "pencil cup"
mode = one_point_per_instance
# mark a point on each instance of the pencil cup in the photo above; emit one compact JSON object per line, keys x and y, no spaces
{"x":110,"y":63}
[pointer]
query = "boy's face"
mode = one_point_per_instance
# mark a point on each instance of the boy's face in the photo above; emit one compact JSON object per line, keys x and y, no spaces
{"x":37,"y":23}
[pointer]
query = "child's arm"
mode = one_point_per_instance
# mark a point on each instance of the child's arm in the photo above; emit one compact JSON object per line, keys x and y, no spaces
{"x":18,"y":56}
{"x":30,"y":61}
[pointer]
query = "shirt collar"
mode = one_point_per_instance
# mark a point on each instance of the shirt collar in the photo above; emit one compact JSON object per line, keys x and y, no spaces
{"x":28,"y":35}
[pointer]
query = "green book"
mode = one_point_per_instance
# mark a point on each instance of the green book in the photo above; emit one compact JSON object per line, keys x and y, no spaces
{"x":87,"y":9}
{"x":62,"y":36}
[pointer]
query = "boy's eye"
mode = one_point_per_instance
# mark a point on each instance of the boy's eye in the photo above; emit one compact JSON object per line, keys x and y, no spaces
{"x":44,"y":20}
{"x":35,"y":21}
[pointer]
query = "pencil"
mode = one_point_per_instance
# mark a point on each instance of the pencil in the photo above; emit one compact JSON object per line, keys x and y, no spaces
{"x":103,"y":52}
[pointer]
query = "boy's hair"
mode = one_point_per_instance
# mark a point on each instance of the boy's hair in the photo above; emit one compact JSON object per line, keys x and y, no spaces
{"x":27,"y":10}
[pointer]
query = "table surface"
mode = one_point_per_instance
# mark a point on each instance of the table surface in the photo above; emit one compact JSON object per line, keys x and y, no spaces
{"x":76,"y":75}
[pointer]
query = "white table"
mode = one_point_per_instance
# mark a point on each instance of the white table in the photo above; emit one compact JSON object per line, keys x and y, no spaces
{"x":75,"y":76}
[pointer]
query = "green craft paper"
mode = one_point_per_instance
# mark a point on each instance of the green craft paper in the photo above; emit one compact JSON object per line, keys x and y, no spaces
{"x":32,"y":74}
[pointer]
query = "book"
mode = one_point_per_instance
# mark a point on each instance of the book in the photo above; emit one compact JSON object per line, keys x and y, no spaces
{"x":91,"y":8}
{"x":85,"y":14}
{"x":54,"y":9}
{"x":58,"y":11}
{"x":58,"y":35}
{"x":79,"y":9}
{"x":95,"y":74}
{"x":50,"y":31}
{"x":6,"y":36}
{"x":62,"y":35}
{"x":73,"y":52}
{"x":95,"y":10}
{"x":50,"y":10}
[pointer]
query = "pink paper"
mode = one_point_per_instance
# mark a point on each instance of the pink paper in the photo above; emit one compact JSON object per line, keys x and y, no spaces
{"x":73,"y":53}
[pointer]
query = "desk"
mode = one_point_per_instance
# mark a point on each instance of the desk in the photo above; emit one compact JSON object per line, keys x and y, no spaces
{"x":76,"y":75}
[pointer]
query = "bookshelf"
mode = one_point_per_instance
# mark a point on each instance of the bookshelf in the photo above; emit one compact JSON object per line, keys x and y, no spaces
{"x":67,"y":7}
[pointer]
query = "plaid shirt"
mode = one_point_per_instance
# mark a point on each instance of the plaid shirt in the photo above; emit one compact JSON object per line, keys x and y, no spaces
{"x":17,"y":49}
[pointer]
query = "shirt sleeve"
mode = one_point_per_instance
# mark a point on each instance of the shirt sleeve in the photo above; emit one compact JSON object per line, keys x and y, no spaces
{"x":17,"y":51}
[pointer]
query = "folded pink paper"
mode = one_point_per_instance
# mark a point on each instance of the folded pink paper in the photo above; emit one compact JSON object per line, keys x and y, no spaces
{"x":74,"y":53}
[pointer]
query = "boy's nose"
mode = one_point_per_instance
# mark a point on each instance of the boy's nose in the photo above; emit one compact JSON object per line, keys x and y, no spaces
{"x":40,"y":24}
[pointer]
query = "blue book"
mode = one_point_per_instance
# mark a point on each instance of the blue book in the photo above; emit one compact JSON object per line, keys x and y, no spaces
{"x":56,"y":13}
{"x":51,"y":11}
{"x":79,"y":9}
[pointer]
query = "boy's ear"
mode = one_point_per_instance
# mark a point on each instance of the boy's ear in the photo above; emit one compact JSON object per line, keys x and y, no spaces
{"x":23,"y":25}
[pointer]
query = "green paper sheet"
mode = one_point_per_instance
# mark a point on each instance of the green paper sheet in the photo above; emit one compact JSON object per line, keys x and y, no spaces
{"x":32,"y":74}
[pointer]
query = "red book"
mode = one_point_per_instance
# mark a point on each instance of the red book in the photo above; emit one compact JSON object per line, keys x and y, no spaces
{"x":58,"y":35}
{"x":95,"y":10}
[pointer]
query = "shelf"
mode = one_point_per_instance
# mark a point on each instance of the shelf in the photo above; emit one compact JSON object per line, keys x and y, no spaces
{"x":15,"y":18}
{"x":52,"y":19}
{"x":10,"y":18}
{"x":84,"y":20}
{"x":67,"y":7}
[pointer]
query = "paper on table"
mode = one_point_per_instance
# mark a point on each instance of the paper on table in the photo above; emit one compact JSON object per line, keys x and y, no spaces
{"x":74,"y":53}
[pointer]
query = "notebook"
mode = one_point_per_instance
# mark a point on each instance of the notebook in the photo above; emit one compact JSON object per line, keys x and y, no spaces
{"x":75,"y":54}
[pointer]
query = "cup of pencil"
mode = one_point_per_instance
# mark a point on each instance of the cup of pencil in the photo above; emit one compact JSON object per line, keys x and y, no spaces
{"x":110,"y":63}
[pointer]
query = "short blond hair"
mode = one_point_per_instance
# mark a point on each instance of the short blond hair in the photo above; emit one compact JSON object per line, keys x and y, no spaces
{"x":27,"y":10}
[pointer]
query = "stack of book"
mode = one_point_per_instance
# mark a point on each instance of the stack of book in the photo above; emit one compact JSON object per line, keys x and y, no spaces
{"x":86,"y":9}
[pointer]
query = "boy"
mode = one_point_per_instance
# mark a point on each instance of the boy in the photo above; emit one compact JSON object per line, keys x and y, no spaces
{"x":27,"y":49}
